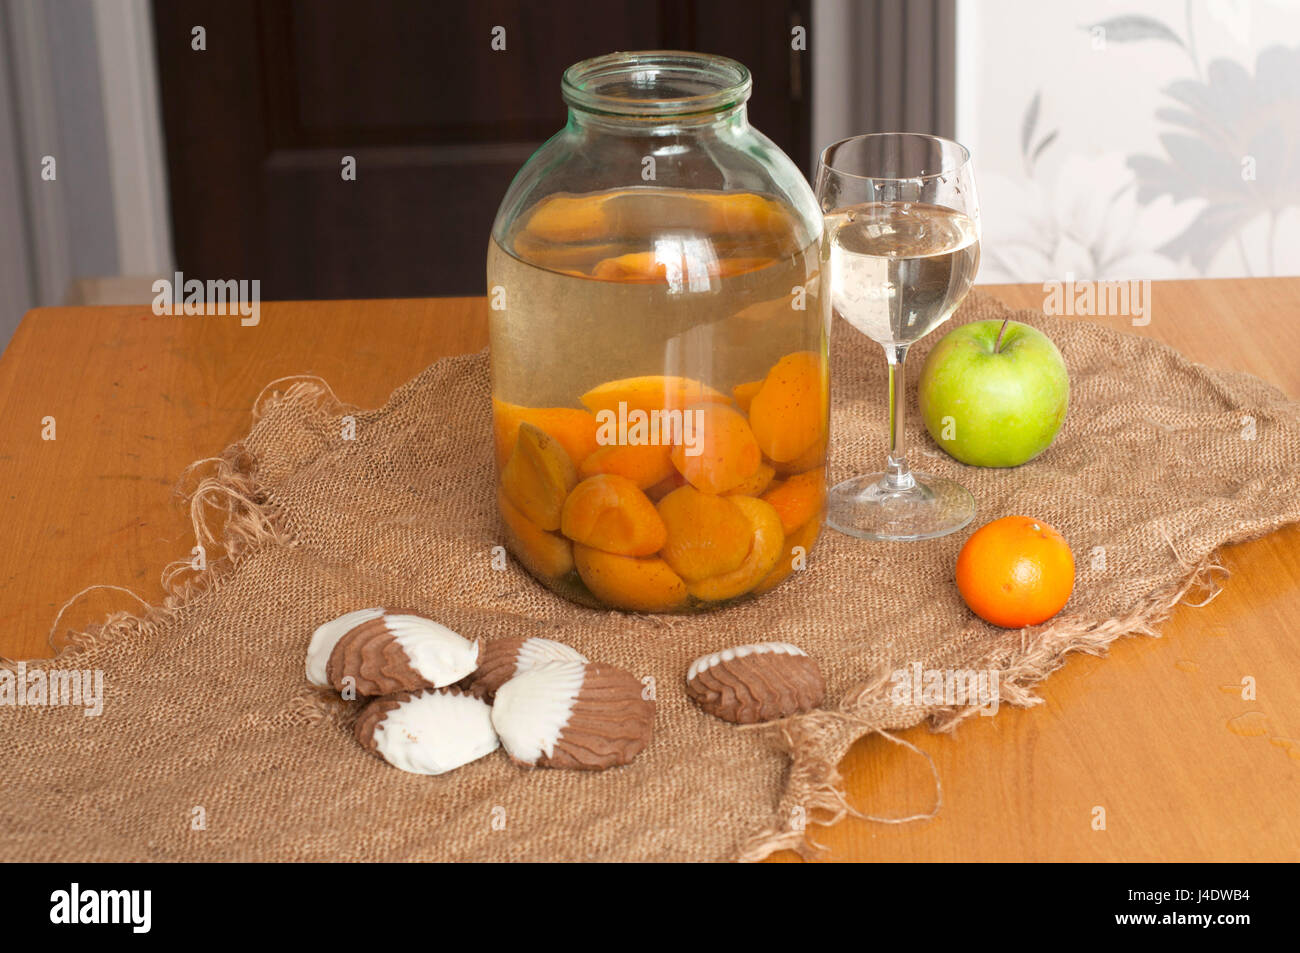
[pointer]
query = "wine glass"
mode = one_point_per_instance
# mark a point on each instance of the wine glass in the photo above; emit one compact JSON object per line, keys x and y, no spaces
{"x":899,"y":253}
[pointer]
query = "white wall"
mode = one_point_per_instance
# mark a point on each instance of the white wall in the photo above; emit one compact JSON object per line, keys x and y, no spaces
{"x":1176,"y":136}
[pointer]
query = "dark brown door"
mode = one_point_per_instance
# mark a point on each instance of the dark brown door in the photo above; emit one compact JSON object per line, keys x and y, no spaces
{"x":258,"y":124}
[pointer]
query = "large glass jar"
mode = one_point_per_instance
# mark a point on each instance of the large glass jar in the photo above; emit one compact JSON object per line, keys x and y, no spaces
{"x":659,"y":373}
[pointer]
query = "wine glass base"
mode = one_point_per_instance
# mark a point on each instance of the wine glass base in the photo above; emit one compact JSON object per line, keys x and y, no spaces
{"x":869,"y":507}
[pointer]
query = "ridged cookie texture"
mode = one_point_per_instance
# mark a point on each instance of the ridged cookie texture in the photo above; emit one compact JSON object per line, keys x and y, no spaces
{"x":569,"y":714}
{"x":753,"y":683}
{"x":327,"y":636}
{"x":427,"y":732}
{"x":502,"y":659}
{"x":381,"y":651}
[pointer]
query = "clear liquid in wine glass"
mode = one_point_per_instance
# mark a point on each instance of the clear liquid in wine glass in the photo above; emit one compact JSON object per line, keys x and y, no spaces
{"x":899,"y":269}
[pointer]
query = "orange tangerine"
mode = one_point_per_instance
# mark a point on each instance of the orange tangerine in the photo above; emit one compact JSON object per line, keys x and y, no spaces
{"x":1015,"y":571}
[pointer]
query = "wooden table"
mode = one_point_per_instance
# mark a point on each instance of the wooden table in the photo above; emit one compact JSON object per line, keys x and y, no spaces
{"x":1157,"y":733}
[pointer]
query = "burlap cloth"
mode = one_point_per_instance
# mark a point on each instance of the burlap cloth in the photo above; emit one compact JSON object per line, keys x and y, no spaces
{"x":1160,"y":462}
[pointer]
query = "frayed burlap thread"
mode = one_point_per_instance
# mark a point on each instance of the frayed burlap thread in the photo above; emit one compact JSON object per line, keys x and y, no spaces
{"x":818,"y":741}
{"x":206,"y":704}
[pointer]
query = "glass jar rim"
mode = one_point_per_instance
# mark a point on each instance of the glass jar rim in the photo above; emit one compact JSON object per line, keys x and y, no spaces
{"x":656,"y":84}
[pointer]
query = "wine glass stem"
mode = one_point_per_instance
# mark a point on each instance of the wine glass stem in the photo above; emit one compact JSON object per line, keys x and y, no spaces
{"x":897,"y":474}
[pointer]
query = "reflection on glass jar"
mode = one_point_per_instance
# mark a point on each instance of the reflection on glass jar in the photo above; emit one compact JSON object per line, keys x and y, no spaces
{"x":659,"y":374}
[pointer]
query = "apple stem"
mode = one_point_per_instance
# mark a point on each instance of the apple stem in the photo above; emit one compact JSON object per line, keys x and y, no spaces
{"x":997,"y":345}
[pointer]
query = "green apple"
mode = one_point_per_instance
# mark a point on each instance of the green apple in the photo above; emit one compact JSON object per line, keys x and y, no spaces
{"x":994,"y":393}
